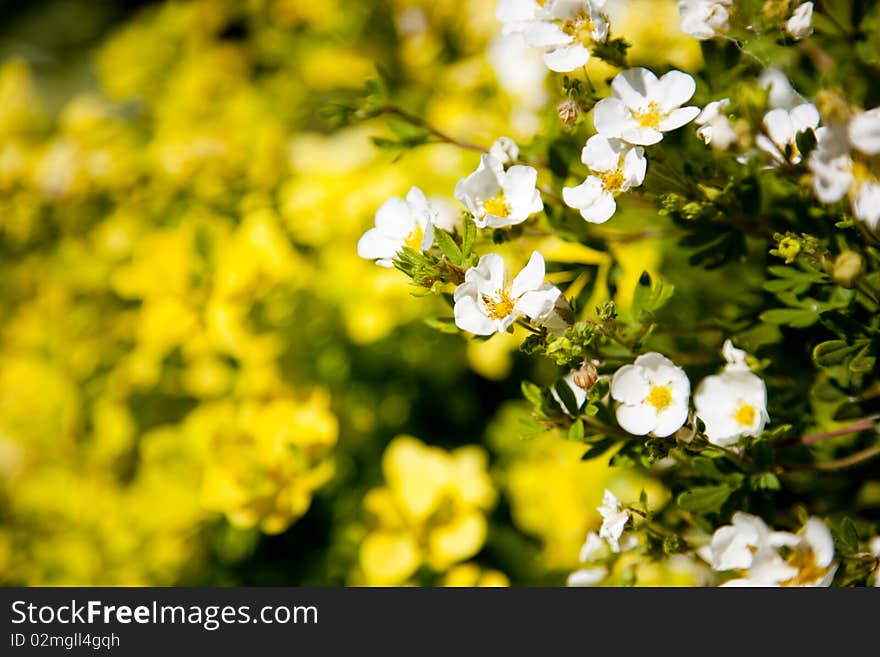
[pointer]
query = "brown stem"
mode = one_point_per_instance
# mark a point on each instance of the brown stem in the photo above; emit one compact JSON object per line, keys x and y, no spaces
{"x":847,"y":461}
{"x":442,"y":136}
{"x":859,"y":425}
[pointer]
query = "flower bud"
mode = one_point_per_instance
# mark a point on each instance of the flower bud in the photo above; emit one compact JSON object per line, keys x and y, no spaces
{"x":847,"y":268}
{"x":568,"y":112}
{"x":586,"y":376}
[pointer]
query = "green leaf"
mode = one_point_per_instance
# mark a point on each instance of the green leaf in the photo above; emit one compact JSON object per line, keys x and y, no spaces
{"x":576,"y":431}
{"x":704,"y":499}
{"x":447,"y":245}
{"x":532,"y":393}
{"x":598,"y":448}
{"x":569,"y":401}
{"x":832,"y":352}
{"x":794,"y":317}
{"x":442,"y":324}
{"x":467,"y":240}
{"x":847,"y":536}
{"x":649,"y":295}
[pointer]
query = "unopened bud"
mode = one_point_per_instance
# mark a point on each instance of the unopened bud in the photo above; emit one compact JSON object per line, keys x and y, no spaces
{"x":847,"y":268}
{"x":568,"y":112}
{"x":586,"y":376}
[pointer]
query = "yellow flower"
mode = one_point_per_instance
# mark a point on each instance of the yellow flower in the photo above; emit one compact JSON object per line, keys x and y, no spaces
{"x":431,"y":511}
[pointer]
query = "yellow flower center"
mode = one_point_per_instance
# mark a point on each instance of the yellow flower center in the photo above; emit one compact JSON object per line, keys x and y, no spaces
{"x":414,"y":239}
{"x":660,"y":397}
{"x":580,"y":28}
{"x":612,"y":181}
{"x":497,"y":206}
{"x":745,"y":415}
{"x":499,"y":307}
{"x":650,"y":116}
{"x":808,"y":570}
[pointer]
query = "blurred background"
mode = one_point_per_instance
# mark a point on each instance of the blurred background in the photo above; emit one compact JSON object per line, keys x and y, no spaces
{"x":200,"y":381}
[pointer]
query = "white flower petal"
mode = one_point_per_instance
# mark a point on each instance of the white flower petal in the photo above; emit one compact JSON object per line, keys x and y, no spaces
{"x":820,"y":541}
{"x":531,"y":277}
{"x":601,"y":153}
{"x":469,"y":317}
{"x":374,"y":245}
{"x":538,"y":304}
{"x":633,"y":86}
{"x":629,"y":386}
{"x":543,"y":34}
{"x":637,"y":420}
{"x":567,"y":58}
{"x":671,"y":418}
{"x":393,"y":218}
{"x":587,"y":576}
{"x":864,"y":132}
{"x":674,"y":89}
{"x":611,"y":117}
{"x":678,"y":118}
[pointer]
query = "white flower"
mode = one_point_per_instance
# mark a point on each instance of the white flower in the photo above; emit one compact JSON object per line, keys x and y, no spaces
{"x":653,"y":395}
{"x":488,"y":301}
{"x":732,"y":404}
{"x":399,"y":223}
{"x":644,"y":107}
{"x":498,"y":198}
{"x":704,"y":19}
{"x":783,"y":127}
{"x":615,"y":167}
{"x":748,"y":545}
{"x":715,"y":128}
{"x":587,"y":576}
{"x":772,"y":558}
{"x":594,"y":548}
{"x":614,"y":519}
{"x":505,"y":150}
{"x":837,"y":173}
{"x":864,"y":131}
{"x":564,"y":29}
{"x":800,"y":25}
{"x":781,"y":93}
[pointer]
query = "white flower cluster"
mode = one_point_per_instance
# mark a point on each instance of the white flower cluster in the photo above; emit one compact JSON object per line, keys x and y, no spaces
{"x":845,"y":164}
{"x":642,"y":107}
{"x":653,"y":395}
{"x":706,"y":19}
{"x":763,"y":557}
{"x":564,"y":29}
{"x":598,"y":546}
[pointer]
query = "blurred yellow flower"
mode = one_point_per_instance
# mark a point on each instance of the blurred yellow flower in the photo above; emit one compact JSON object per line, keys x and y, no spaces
{"x":431,"y":510}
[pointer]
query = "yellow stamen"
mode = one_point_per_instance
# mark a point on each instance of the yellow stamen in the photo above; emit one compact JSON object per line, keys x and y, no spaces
{"x":580,"y":28}
{"x":745,"y":415}
{"x":497,"y":206}
{"x":649,"y":117}
{"x":499,"y":307}
{"x":612,"y":181}
{"x":414,"y":239}
{"x":660,"y":397}
{"x":808,"y":570}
